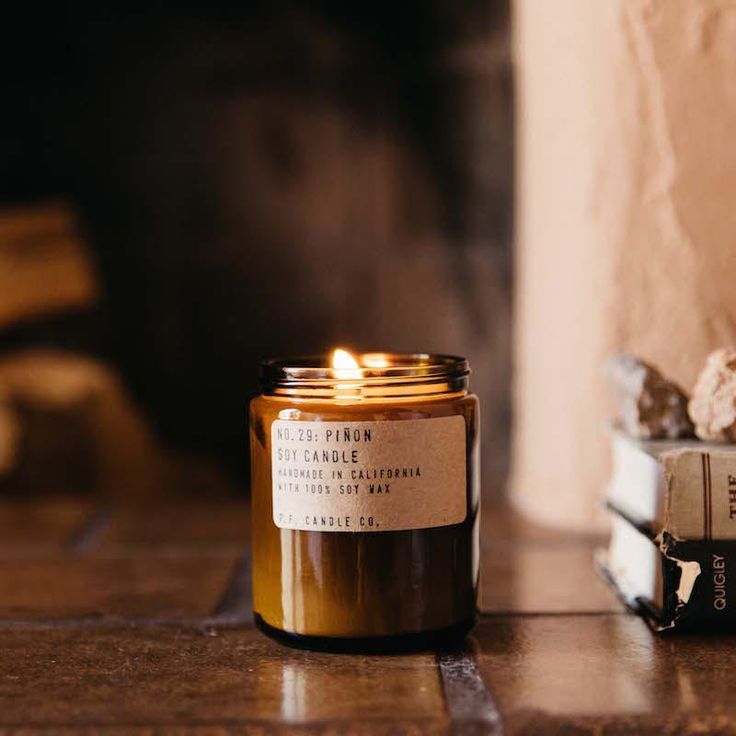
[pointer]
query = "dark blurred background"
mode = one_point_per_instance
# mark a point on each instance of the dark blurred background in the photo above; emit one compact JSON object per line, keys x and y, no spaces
{"x":186,"y":190}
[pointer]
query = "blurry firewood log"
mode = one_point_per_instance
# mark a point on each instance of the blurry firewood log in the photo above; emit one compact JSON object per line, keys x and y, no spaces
{"x":44,"y":266}
{"x":78,"y":431}
{"x":67,"y":422}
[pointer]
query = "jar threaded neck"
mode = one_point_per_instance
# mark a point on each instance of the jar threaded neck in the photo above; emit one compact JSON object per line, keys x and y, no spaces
{"x":378,"y":375}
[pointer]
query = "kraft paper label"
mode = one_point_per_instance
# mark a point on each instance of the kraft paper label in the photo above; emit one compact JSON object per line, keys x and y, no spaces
{"x":368,"y":476}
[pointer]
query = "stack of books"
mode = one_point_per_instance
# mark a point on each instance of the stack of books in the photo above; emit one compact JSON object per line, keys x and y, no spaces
{"x":672,"y":554}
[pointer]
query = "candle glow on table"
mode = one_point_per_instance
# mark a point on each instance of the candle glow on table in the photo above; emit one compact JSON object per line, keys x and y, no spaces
{"x":365,"y":496}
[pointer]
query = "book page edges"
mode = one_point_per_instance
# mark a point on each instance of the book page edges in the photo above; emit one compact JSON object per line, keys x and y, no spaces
{"x":660,"y":615}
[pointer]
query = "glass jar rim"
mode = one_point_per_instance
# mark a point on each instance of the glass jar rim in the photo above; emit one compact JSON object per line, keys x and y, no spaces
{"x":374,"y":369}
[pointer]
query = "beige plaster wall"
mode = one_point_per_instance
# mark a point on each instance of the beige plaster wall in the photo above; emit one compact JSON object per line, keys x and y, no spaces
{"x":626,"y":220}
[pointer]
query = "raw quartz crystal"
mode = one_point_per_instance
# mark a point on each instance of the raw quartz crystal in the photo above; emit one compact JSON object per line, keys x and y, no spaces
{"x":649,"y":405}
{"x":713,"y":404}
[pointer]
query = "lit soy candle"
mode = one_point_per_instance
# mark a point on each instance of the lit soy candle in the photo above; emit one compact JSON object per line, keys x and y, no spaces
{"x":365,"y":501}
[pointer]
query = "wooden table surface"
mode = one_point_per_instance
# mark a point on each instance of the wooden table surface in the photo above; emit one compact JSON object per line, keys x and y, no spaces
{"x":133,"y":622}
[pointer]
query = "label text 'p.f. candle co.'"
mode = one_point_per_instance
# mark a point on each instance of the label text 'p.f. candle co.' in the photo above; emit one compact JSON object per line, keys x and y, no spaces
{"x":369,"y":476}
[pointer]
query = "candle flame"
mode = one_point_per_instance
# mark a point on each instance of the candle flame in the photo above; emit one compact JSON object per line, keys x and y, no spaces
{"x":343,"y":359}
{"x":344,"y":364}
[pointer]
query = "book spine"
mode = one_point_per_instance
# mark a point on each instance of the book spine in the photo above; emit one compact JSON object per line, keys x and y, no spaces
{"x":700,"y":493}
{"x":699,"y":583}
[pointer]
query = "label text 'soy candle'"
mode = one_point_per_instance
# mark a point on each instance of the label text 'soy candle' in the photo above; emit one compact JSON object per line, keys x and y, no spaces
{"x":365,"y":501}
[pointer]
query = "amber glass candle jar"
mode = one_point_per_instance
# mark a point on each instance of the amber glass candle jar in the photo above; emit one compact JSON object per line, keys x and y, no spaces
{"x":365,"y":501}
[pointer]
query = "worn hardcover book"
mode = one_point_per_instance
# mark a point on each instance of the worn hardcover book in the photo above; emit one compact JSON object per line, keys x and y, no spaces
{"x":673,"y":583}
{"x":684,"y":488}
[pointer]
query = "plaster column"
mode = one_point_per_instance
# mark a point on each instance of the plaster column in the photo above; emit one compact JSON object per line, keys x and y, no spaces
{"x":626,"y":221}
